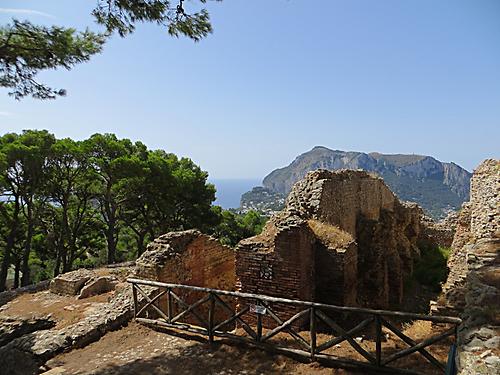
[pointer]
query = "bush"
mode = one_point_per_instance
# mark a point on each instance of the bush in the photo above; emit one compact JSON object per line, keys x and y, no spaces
{"x":431,"y":270}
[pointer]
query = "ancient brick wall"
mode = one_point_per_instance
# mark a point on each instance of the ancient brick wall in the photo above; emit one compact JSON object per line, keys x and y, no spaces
{"x":336,"y":275}
{"x":282,"y":267}
{"x":189,"y":258}
{"x":359,"y":252}
{"x":438,"y":233}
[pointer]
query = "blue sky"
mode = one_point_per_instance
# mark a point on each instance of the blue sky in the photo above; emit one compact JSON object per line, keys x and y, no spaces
{"x":278,"y":77}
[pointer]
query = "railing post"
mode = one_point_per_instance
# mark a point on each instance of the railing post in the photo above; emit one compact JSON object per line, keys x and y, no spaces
{"x":312,"y":329}
{"x":134,"y":293}
{"x":259,"y":327}
{"x":169,"y":306}
{"x":211,"y":311}
{"x":378,"y":327}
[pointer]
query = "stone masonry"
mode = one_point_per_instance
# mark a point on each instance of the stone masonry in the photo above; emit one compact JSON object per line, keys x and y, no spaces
{"x":472,"y":289}
{"x":343,"y":238}
{"x":190,"y":258}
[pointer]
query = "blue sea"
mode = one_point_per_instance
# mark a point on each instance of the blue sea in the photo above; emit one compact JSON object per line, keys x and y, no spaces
{"x":229,"y":191}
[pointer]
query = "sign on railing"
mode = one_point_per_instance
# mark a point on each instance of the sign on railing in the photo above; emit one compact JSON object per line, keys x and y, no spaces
{"x":259,"y":318}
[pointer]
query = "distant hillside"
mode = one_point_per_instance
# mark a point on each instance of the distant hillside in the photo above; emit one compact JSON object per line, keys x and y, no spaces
{"x":438,"y":187}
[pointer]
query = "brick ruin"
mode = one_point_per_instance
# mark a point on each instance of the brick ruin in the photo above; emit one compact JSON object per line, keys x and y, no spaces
{"x":343,"y":238}
{"x":190,"y":258}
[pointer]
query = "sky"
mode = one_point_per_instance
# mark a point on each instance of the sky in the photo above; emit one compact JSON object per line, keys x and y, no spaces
{"x":278,"y":77}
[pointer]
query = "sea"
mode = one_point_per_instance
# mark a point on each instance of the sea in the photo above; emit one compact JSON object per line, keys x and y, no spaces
{"x":229,"y":191}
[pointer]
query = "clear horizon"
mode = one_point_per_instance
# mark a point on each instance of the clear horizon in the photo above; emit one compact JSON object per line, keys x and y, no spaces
{"x":413,"y":77}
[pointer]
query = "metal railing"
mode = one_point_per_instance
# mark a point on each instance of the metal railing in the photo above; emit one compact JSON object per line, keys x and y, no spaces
{"x":174,"y":310}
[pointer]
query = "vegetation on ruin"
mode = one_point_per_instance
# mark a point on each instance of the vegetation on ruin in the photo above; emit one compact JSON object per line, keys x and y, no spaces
{"x":67,"y":204}
{"x":330,"y":235}
{"x":27,"y":49}
{"x":431,"y":270}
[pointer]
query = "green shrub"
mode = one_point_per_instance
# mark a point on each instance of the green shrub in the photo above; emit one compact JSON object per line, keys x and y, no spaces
{"x":431,"y":269}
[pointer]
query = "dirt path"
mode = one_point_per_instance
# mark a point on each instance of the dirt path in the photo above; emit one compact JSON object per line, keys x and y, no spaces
{"x":65,"y":310}
{"x":139,"y":350}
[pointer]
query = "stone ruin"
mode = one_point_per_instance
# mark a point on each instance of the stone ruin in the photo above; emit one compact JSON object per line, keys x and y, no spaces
{"x":191,"y":258}
{"x":343,"y":238}
{"x":472,"y":289}
{"x":26,"y":344}
{"x":83,"y":283}
{"x":188,"y":257}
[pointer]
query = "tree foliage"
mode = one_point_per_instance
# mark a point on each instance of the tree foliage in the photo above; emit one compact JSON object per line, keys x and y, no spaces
{"x":26,"y":49}
{"x":95,"y":201}
{"x":234,"y":227}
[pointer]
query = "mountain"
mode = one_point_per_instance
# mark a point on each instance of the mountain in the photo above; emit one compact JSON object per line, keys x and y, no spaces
{"x":437,"y":186}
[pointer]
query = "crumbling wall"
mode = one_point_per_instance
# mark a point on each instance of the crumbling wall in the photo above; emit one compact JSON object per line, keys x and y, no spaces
{"x":452,"y":298}
{"x":280,"y":265}
{"x":438,"y":233}
{"x":472,"y":289}
{"x":190,"y":258}
{"x":368,"y":268}
{"x":479,"y":335}
{"x":336,"y":263}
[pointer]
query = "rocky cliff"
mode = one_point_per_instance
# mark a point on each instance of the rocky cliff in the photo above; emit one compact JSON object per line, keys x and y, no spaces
{"x":436,"y":186}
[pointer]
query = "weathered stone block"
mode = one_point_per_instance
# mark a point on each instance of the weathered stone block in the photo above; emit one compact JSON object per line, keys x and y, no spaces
{"x":98,"y":286}
{"x":70,"y":283}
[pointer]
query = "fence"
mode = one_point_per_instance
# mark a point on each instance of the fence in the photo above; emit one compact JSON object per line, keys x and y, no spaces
{"x":165,"y":305}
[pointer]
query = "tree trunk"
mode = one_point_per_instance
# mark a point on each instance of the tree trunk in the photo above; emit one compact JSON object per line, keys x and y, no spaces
{"x":62,"y":245}
{"x":17,"y":270}
{"x":25,"y":279}
{"x":4,"y":269}
{"x":57,"y":265}
{"x":111,"y":239}
{"x":140,"y":243}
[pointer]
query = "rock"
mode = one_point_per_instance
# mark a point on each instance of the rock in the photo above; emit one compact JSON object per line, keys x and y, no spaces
{"x":70,"y":283}
{"x":33,"y":349}
{"x":493,"y":361}
{"x":97,"y":286}
{"x":493,"y":343}
{"x":55,"y":371}
{"x":12,"y":328}
{"x":17,"y":362}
